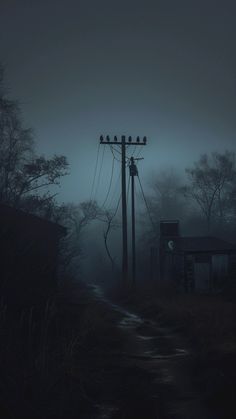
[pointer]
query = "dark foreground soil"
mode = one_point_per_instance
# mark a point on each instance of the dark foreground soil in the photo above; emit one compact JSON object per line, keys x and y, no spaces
{"x":84,"y":357}
{"x":206,"y":326}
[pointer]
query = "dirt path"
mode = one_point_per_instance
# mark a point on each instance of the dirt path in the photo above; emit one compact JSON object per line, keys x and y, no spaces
{"x":151,"y":377}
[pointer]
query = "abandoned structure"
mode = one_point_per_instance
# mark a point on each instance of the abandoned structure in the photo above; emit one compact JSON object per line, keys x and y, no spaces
{"x":195,"y":263}
{"x":29,"y":256}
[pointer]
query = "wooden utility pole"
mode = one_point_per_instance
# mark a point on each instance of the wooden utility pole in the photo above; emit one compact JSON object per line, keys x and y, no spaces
{"x":124,"y":209}
{"x":123,"y":143}
{"x":133,"y":173}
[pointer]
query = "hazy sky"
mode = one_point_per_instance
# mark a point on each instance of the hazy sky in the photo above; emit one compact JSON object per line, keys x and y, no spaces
{"x":164,"y":69}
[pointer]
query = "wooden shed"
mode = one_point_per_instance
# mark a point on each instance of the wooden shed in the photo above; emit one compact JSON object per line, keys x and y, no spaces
{"x":29,"y":256}
{"x":195,"y":263}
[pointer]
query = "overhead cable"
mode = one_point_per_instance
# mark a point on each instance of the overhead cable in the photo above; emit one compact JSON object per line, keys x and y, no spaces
{"x":110,"y":183}
{"x":99,"y":174}
{"x":147,"y":207}
{"x":95,"y":172}
{"x":117,"y":207}
{"x":115,"y":189}
{"x":139,"y":152}
{"x":112,"y":150}
{"x":127,"y":196}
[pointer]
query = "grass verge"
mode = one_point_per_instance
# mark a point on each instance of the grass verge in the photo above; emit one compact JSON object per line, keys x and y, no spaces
{"x":207,"y":324}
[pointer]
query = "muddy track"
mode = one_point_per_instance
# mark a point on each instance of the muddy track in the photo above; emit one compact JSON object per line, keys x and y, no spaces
{"x":151,"y":377}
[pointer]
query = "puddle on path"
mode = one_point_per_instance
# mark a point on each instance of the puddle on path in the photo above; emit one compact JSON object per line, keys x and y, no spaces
{"x":158,"y":353}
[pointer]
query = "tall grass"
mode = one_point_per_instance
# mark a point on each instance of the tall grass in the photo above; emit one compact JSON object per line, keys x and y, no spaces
{"x":208,"y":321}
{"x":47,"y":352}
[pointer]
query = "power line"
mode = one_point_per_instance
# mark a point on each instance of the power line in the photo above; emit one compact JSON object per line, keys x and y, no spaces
{"x":136,"y":191}
{"x":127,"y":199}
{"x":118,"y":151}
{"x":123,"y":143}
{"x":112,"y":150}
{"x":144,"y":198}
{"x":99,"y":174}
{"x":95,"y":171}
{"x":115,"y":149}
{"x":115,"y":189}
{"x":138,"y":154}
{"x":134,"y":151}
{"x":117,"y":207}
{"x":109,"y":188}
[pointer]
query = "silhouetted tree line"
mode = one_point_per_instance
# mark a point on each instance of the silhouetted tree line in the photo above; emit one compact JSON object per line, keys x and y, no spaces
{"x":28,"y":180}
{"x":25,"y":177}
{"x":204,"y":201}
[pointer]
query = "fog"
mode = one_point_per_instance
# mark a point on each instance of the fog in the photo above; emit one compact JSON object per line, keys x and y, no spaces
{"x":85,"y":332}
{"x":81,"y":69}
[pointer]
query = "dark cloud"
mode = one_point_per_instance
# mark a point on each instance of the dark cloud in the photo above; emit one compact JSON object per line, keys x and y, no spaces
{"x":165,"y":69}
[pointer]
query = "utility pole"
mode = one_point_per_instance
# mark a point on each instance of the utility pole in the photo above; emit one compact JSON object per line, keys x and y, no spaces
{"x":123,"y":143}
{"x":124,"y":209}
{"x":133,"y":172}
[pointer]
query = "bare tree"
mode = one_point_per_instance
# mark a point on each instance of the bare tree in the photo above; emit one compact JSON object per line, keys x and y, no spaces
{"x":75,"y":218}
{"x":166,"y":199}
{"x":210,"y":182}
{"x":108,"y":217}
{"x":23,"y":174}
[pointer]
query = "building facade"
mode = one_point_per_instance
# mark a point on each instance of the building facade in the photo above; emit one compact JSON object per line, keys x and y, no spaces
{"x":194,"y":263}
{"x":29,"y":256}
